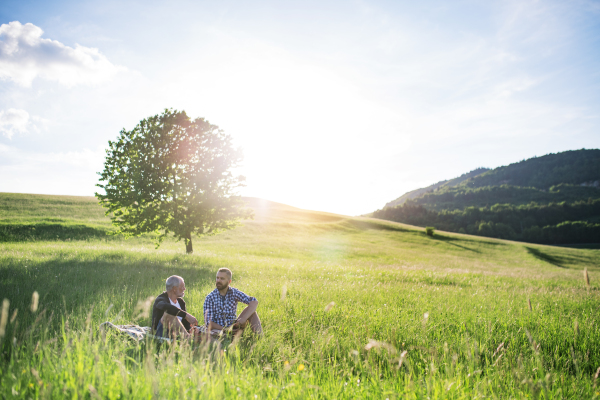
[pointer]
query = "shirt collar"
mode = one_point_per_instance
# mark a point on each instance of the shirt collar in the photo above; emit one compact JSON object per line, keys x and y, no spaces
{"x":217,"y":293}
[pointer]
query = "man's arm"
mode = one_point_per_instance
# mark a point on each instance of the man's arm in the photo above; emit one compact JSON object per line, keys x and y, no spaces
{"x":208,"y":315}
{"x":248,"y":311}
{"x":166,"y":306}
{"x":214,"y":325}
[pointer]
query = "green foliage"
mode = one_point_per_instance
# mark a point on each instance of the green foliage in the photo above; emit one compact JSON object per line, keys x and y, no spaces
{"x":171,"y":174}
{"x":569,"y":167}
{"x":459,"y":198}
{"x":429,"y":230}
{"x":539,"y":200}
{"x":555,"y":223}
{"x":443,"y":185}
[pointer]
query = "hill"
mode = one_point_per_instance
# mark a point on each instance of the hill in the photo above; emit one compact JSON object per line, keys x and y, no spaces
{"x":436,"y":186}
{"x":575,"y":167}
{"x":351,"y":308}
{"x":48,"y":217}
{"x":550,"y":199}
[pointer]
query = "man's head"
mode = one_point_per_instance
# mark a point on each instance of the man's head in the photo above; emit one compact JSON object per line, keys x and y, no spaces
{"x":224,"y":276}
{"x":175,"y":286}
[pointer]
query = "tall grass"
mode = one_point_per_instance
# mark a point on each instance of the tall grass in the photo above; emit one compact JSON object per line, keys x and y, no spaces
{"x":350,"y":308}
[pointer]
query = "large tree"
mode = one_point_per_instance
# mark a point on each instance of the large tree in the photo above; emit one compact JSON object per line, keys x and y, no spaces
{"x":171,"y":174}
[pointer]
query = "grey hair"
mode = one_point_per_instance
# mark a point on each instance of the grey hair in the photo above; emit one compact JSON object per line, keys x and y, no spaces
{"x":173,"y":281}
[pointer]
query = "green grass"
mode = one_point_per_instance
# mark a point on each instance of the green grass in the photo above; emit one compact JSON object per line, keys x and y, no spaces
{"x":479,"y":339}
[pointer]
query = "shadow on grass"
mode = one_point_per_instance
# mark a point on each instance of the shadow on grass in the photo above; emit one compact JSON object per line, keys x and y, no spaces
{"x":595,"y":246}
{"x":50,"y":231}
{"x":364,"y":225}
{"x":556,"y":261}
{"x":74,"y":286}
{"x":449,"y":240}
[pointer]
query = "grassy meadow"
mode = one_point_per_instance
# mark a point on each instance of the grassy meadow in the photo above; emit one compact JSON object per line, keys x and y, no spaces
{"x":351,"y":308}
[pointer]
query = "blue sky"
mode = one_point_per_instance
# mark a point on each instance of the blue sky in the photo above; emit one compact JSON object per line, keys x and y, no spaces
{"x":339,"y":106}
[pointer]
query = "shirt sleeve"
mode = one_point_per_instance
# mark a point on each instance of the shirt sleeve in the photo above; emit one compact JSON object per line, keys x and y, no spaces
{"x":209,"y":312}
{"x":242,"y":297}
{"x":166,"y":306}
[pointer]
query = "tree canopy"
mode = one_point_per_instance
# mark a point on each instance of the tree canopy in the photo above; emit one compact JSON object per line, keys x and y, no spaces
{"x":171,"y":174}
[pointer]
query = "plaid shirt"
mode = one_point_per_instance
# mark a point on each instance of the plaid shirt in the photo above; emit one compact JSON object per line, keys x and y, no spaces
{"x":223,"y":309}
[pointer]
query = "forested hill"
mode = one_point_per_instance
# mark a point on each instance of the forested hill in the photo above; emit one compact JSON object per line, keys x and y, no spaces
{"x":443,"y":184}
{"x":551,"y":199}
{"x":573,"y":167}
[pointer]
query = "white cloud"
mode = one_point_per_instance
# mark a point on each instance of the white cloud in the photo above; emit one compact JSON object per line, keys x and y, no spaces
{"x":16,"y":121}
{"x":25,"y":55}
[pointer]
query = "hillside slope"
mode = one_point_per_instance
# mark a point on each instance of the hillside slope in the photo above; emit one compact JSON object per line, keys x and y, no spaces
{"x":443,"y":184}
{"x":49,"y":217}
{"x":553,"y":199}
{"x":343,"y":301}
{"x":575,"y":167}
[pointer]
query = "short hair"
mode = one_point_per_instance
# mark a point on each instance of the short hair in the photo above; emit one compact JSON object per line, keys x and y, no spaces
{"x":227,"y":271}
{"x":173,"y":281}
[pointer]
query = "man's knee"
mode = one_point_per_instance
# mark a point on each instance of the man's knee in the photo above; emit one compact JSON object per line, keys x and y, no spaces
{"x":168,"y":319}
{"x":252,"y":317}
{"x":172,"y":323}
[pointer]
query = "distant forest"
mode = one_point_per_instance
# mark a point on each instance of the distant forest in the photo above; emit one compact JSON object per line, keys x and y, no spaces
{"x":554,"y":199}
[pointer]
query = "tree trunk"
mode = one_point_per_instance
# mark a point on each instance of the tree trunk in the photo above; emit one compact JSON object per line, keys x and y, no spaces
{"x":188,"y":244}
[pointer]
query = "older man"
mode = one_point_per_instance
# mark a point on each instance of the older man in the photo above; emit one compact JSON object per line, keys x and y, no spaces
{"x":220,"y":307}
{"x":169,"y":317}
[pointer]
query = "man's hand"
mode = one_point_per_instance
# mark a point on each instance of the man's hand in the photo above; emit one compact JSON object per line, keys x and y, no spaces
{"x":238,"y":324}
{"x":191,"y":319}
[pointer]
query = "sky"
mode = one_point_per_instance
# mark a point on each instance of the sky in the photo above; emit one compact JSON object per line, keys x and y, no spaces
{"x":339,"y":106}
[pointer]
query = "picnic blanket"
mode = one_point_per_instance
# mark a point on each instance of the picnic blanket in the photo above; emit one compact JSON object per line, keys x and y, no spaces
{"x":138,"y":333}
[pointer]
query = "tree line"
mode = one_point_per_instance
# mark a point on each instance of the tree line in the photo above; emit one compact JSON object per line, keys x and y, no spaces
{"x":572,"y":167}
{"x":554,"y":223}
{"x":461,"y":197}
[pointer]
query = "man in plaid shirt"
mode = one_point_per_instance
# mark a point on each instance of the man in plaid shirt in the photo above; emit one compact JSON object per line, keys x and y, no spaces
{"x":220,"y":307}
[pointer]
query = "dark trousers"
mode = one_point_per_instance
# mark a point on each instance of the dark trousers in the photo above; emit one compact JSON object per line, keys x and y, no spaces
{"x":160,"y":331}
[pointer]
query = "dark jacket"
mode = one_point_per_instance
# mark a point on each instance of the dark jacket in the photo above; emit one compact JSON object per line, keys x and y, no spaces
{"x":163,"y":305}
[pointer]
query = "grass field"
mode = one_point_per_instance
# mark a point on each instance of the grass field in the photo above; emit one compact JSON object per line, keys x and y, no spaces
{"x":450,"y":316}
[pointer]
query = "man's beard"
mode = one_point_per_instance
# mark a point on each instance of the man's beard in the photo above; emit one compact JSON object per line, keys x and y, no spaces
{"x":222,"y":286}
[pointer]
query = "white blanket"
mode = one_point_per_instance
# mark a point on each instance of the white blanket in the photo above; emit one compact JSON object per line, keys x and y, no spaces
{"x":138,"y":333}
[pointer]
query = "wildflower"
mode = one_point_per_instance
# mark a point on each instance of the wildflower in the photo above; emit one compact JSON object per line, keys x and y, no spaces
{"x":301,"y":367}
